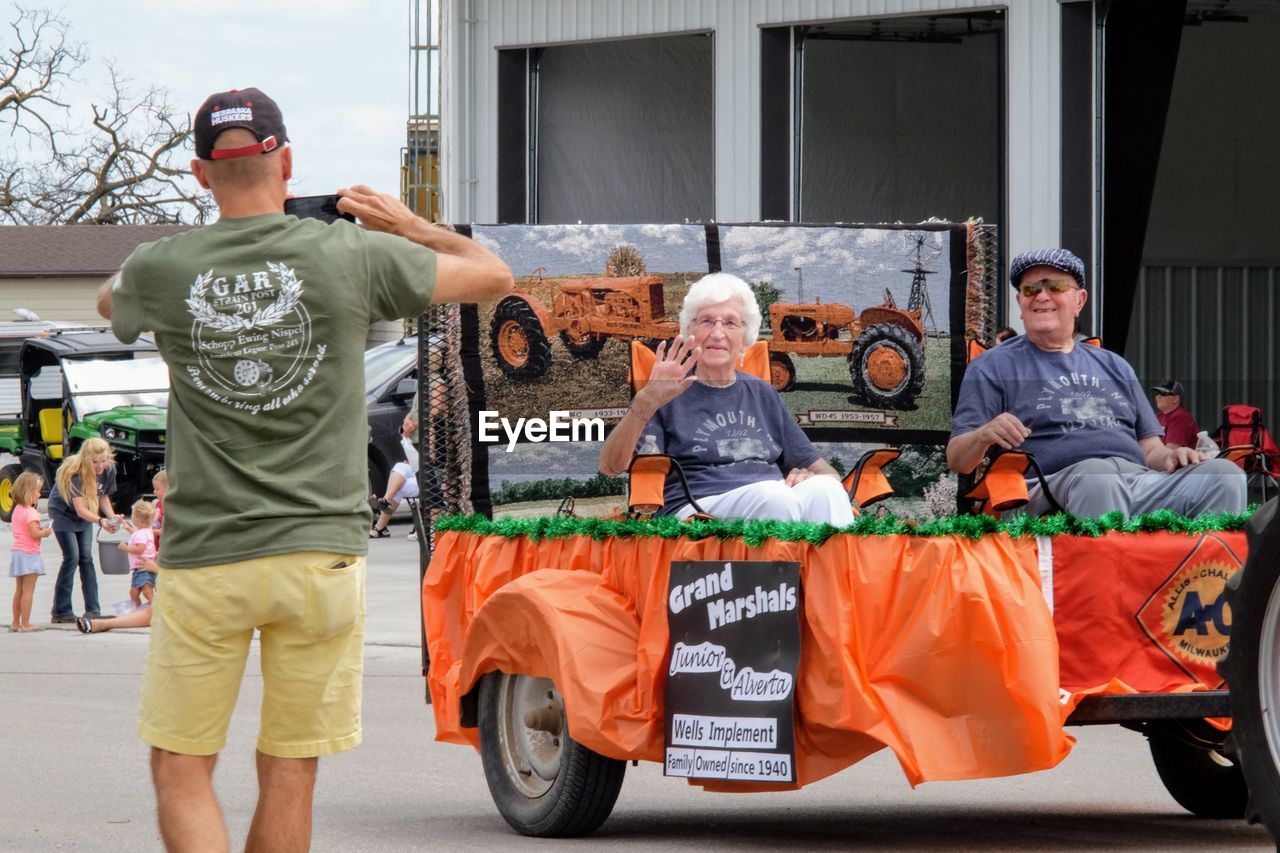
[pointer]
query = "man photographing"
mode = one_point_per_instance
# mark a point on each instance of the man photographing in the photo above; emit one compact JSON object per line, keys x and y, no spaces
{"x":262,"y":318}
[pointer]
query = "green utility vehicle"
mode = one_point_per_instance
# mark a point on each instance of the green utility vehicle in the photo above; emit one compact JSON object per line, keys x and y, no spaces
{"x":77,"y":385}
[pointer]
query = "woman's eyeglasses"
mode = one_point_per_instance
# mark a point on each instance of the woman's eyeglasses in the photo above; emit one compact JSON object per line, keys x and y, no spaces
{"x":706,"y":324}
{"x":1056,"y":286}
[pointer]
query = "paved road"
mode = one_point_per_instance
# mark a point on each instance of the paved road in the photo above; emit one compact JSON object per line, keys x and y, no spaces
{"x":73,"y":775}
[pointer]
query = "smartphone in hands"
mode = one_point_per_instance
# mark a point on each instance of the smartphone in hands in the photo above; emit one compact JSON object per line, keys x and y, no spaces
{"x":322,"y":207}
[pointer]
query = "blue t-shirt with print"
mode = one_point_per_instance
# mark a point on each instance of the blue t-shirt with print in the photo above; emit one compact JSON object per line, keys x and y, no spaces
{"x":725,"y":438}
{"x":63,"y":513}
{"x":1085,"y":404}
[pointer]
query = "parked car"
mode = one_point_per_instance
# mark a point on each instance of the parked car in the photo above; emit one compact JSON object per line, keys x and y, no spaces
{"x":77,"y":385}
{"x":390,"y":380}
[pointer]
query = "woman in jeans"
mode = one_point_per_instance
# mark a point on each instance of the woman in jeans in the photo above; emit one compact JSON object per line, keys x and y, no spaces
{"x":78,"y":502}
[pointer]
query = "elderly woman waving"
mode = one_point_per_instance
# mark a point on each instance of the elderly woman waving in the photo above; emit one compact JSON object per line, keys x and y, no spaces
{"x":742,"y":452}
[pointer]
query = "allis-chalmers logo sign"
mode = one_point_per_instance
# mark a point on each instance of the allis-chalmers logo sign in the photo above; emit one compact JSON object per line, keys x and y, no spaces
{"x":1187,"y":616}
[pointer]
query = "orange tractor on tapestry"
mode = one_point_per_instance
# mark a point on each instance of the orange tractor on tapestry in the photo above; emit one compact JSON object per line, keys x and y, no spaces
{"x":586,"y":312}
{"x":884,"y":346}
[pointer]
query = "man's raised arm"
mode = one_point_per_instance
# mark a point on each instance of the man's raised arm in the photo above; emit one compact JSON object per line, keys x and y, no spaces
{"x":104,"y":297}
{"x":465,"y":270}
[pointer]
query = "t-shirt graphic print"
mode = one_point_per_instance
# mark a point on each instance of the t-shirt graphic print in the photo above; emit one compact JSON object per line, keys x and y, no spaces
{"x":252,"y":337}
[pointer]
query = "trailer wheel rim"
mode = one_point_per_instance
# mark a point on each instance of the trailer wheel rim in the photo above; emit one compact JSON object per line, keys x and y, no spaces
{"x":531,"y":757}
{"x":886,"y":366}
{"x":1269,"y":674}
{"x":513,"y":343}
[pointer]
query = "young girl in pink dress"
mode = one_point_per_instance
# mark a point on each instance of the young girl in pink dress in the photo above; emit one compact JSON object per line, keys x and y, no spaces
{"x":24,"y":562}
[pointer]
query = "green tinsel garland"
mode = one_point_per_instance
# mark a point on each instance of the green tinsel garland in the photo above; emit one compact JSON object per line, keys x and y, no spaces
{"x":754,"y":533}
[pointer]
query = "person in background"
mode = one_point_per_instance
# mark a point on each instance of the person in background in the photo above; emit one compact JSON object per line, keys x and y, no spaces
{"x":137,"y":618}
{"x":1005,"y":333}
{"x":24,"y":558}
{"x":402,"y":484}
{"x":159,"y":485}
{"x":141,"y":549}
{"x":1180,"y":428}
{"x":79,"y":501}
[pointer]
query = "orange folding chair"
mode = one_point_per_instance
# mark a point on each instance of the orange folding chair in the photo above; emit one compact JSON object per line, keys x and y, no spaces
{"x":1003,"y":485}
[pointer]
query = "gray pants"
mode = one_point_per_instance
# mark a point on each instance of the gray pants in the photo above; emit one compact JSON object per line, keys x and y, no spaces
{"x":1093,"y":487}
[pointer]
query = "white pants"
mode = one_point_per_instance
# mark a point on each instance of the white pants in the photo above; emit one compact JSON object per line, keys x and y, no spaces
{"x":410,"y":487}
{"x":819,"y":499}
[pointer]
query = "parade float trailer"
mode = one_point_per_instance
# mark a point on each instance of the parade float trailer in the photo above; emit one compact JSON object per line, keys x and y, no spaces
{"x":752,"y":656}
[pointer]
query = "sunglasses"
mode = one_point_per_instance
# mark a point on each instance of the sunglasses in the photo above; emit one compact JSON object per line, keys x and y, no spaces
{"x":1056,"y":286}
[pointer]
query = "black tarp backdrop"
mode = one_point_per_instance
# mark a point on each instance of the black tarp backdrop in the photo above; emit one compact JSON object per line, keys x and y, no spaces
{"x":845,"y":264}
{"x":1142,"y":41}
{"x":612,"y":131}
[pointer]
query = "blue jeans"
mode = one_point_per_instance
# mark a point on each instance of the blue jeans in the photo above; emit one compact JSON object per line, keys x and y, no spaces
{"x":77,"y":547}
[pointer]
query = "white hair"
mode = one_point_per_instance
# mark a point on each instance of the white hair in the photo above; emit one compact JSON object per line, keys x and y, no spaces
{"x":720,"y":287}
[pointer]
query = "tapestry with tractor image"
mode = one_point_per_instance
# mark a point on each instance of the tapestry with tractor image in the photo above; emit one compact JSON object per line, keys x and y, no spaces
{"x":865,"y":327}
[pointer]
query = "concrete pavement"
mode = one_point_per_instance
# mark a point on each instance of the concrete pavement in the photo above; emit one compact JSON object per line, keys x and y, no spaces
{"x":74,"y":776}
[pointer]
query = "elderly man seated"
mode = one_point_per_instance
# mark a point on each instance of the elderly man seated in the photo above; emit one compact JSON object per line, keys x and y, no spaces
{"x":1080,"y":410}
{"x":730,"y":431}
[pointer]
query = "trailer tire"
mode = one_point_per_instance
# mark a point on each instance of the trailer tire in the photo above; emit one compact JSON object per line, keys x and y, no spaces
{"x":8,"y":474}
{"x":1202,"y":779}
{"x":544,"y":783}
{"x":1251,"y":668}
{"x":520,"y":347}
{"x":886,"y":366}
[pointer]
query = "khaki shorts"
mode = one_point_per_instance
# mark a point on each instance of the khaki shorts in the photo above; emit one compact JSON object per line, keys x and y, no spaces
{"x":308,"y":608}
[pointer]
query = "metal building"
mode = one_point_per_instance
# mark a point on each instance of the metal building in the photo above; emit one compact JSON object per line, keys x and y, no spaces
{"x":1135,"y":132}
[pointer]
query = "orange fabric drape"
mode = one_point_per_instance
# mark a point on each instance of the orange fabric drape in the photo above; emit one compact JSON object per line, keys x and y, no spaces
{"x":1124,"y":609}
{"x":940,"y":648}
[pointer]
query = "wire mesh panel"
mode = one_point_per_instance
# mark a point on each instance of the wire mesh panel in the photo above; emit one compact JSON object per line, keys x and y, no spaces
{"x":444,"y":440}
{"x":984,"y":276}
{"x":444,"y":435}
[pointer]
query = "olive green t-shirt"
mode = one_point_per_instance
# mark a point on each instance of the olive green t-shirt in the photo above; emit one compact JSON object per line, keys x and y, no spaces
{"x":262,"y":321}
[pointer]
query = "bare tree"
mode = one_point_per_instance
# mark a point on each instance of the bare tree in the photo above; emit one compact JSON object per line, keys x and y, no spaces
{"x":124,"y":167}
{"x":33,"y":70}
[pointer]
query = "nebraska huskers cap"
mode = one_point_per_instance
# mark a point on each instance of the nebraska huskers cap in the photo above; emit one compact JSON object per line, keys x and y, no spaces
{"x":246,"y":108}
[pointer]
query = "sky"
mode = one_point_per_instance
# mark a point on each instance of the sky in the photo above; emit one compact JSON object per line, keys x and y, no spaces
{"x":339,"y":70}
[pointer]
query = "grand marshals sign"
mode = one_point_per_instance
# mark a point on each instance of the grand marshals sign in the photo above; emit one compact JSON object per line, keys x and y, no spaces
{"x":735,"y":648}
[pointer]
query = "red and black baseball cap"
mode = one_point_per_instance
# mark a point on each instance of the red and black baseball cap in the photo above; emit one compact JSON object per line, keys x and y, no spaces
{"x":1168,"y":388}
{"x":246,"y":108}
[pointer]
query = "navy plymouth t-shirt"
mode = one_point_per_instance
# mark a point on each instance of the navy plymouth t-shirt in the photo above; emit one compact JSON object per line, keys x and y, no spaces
{"x":1085,"y":404}
{"x":725,"y":438}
